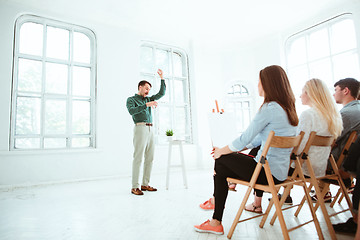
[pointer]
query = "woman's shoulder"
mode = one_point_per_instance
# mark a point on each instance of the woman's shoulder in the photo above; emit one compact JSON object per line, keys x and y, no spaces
{"x":272,"y":105}
{"x":311,"y":112}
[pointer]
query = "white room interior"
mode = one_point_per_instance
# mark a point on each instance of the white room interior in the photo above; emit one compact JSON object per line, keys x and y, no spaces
{"x":225,"y":41}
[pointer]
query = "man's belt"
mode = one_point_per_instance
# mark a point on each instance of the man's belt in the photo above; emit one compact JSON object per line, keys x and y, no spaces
{"x":144,"y":123}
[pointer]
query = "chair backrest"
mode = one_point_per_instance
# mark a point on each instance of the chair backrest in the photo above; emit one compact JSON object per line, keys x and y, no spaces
{"x":281,"y":142}
{"x":352,"y":137}
{"x":319,"y":141}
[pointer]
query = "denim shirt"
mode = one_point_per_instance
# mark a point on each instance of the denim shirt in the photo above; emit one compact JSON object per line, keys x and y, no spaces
{"x":270,"y":117}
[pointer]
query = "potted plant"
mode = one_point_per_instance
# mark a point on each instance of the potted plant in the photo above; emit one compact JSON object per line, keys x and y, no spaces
{"x":169,"y":133}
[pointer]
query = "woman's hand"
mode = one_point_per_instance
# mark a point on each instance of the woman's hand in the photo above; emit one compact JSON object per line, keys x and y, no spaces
{"x":218,"y":152}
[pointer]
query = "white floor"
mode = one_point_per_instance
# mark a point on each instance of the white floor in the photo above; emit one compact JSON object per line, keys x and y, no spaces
{"x":105,"y":209}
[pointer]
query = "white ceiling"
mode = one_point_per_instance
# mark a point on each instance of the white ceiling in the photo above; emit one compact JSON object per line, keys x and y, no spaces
{"x":225,"y":20}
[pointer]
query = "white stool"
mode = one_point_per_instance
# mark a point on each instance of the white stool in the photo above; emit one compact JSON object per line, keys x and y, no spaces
{"x":182,"y":165}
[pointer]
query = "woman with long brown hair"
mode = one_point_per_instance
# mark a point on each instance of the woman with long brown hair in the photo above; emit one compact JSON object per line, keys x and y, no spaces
{"x":278,"y":114}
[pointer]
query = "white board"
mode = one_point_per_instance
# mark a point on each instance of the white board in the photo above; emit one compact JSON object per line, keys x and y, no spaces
{"x":222,"y":128}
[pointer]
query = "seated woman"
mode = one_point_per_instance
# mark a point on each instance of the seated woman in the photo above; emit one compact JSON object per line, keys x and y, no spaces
{"x":323,"y":118}
{"x":277,"y":114}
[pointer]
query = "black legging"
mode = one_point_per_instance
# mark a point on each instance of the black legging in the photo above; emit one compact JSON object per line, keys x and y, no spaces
{"x":234,"y":165}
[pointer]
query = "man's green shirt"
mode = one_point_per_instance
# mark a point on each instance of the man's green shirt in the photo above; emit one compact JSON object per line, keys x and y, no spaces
{"x":137,"y":108}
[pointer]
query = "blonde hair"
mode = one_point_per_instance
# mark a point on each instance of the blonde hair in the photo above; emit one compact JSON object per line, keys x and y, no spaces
{"x":323,"y":103}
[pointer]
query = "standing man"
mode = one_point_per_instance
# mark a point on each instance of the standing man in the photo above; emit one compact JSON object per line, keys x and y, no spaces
{"x":139,"y":107}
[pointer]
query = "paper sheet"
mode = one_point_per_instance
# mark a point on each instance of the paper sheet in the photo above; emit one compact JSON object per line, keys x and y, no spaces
{"x":222,"y":128}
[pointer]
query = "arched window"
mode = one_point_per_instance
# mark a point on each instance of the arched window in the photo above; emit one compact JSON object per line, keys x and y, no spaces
{"x":53,"y":92}
{"x":239,"y":102}
{"x":327,"y":51}
{"x":174,"y":112}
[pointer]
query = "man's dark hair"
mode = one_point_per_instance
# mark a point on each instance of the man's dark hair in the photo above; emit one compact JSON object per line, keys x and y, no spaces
{"x":351,"y":83}
{"x":142,"y":83}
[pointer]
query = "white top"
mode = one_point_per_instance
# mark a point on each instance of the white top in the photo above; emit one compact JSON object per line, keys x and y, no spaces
{"x":310,"y":120}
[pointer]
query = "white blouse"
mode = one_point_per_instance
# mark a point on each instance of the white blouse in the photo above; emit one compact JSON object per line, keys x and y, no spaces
{"x":310,"y":120}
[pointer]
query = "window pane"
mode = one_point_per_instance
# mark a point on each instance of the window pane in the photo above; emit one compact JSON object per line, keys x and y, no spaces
{"x":322,"y":70}
{"x":237,"y":90}
{"x":81,"y":117}
{"x":239,"y":116}
{"x":346,"y":65}
{"x":179,"y":91}
{"x":28,"y":115}
{"x":146,"y":59}
{"x":245,"y":115}
{"x":166,"y":97}
{"x":29,"y":78}
{"x":81,"y":48}
{"x":164,"y":119}
{"x":180,"y":121}
{"x":178,"y":65}
{"x":318,"y":44}
{"x":56,"y":78}
{"x":298,"y":76}
{"x":81,"y":81}
{"x":54,"y":142}
{"x":80,"y":142}
{"x":162,"y":61}
{"x":27,"y":143}
{"x":244,"y":91}
{"x":54,"y":85}
{"x":55,"y":117}
{"x":231,"y":90}
{"x":343,"y":36}
{"x":57,"y":45}
{"x":31,"y":38}
{"x":297,"y":53}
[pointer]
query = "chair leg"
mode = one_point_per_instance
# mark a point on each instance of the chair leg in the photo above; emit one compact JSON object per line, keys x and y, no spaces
{"x":266,"y":214}
{"x":320,"y":202}
{"x":335,"y":198}
{"x":341,"y":198}
{"x":282,"y":200}
{"x":322,"y":195}
{"x":238,"y":215}
{"x":280,"y":215}
{"x":313,"y":211}
{"x":302,"y":202}
{"x":346,"y":195}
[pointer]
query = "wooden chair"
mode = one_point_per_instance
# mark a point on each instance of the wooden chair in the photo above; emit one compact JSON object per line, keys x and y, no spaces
{"x":315,"y":140}
{"x":352,"y":138}
{"x":275,"y":142}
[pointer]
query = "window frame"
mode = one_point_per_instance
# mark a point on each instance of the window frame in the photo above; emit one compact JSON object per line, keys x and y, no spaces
{"x":68,"y":98}
{"x":160,"y":137}
{"x":308,"y":64}
{"x":233,"y":99}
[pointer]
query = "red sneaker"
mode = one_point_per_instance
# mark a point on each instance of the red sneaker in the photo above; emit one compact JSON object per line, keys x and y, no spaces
{"x":207,"y":205}
{"x":207,"y":228}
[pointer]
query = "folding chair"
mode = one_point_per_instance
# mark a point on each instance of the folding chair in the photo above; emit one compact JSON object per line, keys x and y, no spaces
{"x":322,"y":141}
{"x":275,"y":142}
{"x":352,"y":137}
